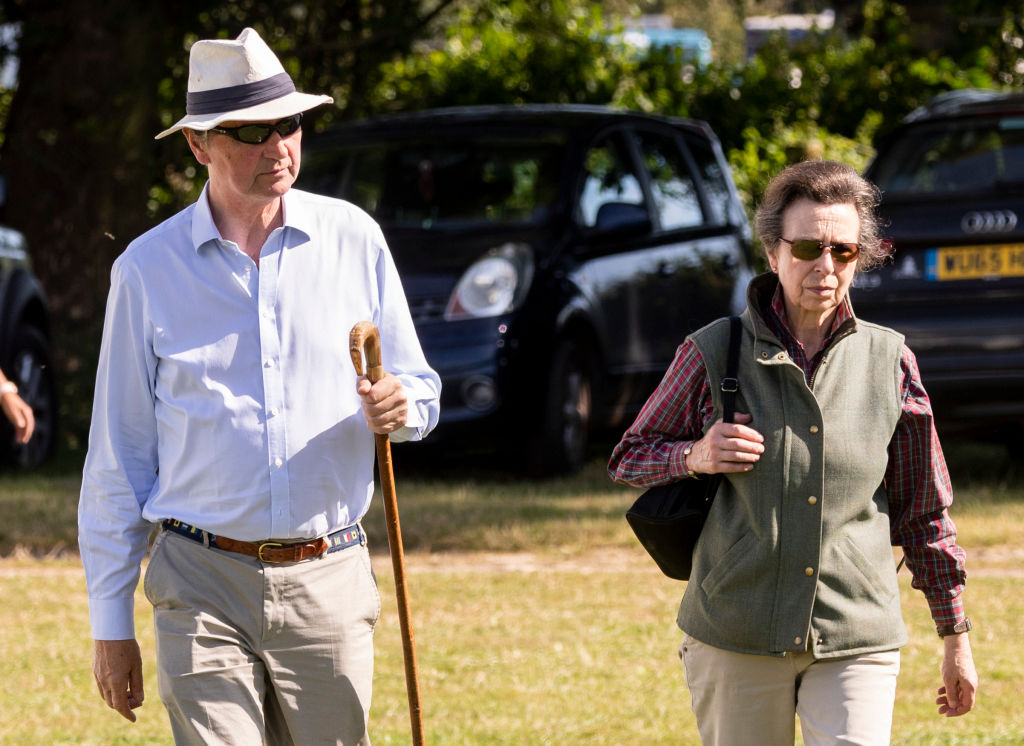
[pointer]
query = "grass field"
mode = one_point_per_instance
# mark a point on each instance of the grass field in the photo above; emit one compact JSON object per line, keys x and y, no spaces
{"x":538,"y":621}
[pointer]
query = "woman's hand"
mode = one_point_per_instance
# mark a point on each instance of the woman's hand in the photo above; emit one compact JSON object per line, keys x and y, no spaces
{"x":960,"y":679}
{"x":726,"y":447}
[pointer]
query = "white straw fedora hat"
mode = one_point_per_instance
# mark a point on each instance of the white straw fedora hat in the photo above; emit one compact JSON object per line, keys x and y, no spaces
{"x":239,"y":80}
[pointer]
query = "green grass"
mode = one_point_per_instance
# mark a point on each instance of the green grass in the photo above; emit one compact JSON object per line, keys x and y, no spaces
{"x":538,"y":620}
{"x":39,"y":513}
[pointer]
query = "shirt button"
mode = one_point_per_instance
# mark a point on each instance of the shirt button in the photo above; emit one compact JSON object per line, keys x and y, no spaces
{"x":813,"y":429}
{"x":269,"y":362}
{"x":809,"y":571}
{"x":782,"y":356}
{"x":273,"y":413}
{"x":798,"y":640}
{"x":812,"y":500}
{"x":278,"y":461}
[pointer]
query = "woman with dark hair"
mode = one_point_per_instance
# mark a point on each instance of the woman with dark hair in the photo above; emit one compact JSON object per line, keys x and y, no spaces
{"x":792,"y":607}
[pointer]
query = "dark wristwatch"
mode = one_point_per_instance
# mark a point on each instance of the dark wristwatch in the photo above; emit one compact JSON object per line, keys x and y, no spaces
{"x":955,"y":629}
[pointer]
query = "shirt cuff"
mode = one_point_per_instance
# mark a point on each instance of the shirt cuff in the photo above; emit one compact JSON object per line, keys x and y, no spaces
{"x":112,"y":618}
{"x":423,"y":410}
{"x":415,"y":427}
{"x":946,"y":611}
{"x":677,"y":461}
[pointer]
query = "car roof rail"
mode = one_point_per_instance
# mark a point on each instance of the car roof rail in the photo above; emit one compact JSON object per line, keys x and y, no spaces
{"x":951,"y":102}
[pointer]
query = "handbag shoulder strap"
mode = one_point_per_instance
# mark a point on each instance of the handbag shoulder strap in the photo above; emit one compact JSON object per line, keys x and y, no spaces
{"x":730,"y":383}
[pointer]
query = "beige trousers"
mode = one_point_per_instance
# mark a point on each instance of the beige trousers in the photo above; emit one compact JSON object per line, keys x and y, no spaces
{"x":249,"y":653}
{"x":741,"y":699}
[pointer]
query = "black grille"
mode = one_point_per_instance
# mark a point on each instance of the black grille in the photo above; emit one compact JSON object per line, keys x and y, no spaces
{"x":427,"y":309}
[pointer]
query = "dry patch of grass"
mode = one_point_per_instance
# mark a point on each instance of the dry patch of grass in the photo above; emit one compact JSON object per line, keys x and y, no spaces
{"x":538,"y":621}
{"x":513,"y":649}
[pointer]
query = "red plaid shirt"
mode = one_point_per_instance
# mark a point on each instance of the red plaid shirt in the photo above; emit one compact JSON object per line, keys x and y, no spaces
{"x":916,"y":479}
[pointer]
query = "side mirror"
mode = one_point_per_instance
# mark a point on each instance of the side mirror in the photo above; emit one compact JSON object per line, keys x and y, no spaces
{"x":621,"y":220}
{"x":619,"y":215}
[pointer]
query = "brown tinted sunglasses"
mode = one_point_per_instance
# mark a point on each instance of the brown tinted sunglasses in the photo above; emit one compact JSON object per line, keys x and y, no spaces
{"x":810,"y":249}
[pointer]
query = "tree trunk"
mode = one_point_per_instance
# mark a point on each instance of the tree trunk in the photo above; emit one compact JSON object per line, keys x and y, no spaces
{"x":79,"y":158}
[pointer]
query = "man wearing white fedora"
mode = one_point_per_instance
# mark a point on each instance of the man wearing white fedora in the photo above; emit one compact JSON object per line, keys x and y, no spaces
{"x":228,"y":420}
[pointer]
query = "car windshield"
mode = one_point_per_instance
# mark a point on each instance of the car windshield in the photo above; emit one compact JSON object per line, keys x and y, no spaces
{"x":963,"y":156}
{"x":436,"y":182}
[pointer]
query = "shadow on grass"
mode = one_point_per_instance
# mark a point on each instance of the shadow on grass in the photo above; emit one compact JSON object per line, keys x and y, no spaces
{"x":471,"y":498}
{"x":484,"y":462}
{"x":465,"y":501}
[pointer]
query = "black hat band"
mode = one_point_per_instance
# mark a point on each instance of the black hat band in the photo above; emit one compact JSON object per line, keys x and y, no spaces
{"x":237,"y":97}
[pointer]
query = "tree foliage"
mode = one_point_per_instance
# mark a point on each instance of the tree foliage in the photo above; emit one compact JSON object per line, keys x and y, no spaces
{"x":508,"y":53}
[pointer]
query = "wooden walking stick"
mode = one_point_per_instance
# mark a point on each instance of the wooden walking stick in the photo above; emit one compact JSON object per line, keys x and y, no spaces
{"x":364,"y":335}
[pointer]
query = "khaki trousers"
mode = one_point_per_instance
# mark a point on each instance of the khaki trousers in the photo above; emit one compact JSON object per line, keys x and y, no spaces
{"x":249,"y":653}
{"x":741,"y":699}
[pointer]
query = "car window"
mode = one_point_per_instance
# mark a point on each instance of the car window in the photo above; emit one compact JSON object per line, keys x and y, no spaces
{"x":954,"y":157}
{"x":611,"y":193}
{"x":715,"y":184}
{"x":444,"y":182}
{"x":672,"y":187}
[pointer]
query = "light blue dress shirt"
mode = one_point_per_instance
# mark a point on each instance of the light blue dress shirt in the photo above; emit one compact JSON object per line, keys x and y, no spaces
{"x":225,"y":394}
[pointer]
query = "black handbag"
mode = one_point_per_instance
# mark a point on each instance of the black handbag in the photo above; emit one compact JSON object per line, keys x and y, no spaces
{"x":668,"y":519}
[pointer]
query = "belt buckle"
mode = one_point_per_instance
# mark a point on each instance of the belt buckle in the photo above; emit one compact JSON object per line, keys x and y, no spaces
{"x":266,"y":545}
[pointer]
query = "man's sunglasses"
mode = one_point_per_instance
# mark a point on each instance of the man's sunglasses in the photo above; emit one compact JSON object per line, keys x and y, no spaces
{"x":810,"y":249}
{"x":257,"y":134}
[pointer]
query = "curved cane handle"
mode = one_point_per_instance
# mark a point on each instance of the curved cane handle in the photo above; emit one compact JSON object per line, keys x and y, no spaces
{"x":364,"y":336}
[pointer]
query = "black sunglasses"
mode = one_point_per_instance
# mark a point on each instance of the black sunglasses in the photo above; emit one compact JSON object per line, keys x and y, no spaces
{"x":810,"y":249}
{"x":257,"y":134}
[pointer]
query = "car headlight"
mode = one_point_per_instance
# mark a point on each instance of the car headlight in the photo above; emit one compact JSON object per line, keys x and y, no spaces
{"x":496,"y":283}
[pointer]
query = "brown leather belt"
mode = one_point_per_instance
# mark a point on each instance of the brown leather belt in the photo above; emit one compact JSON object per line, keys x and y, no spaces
{"x":271,"y":551}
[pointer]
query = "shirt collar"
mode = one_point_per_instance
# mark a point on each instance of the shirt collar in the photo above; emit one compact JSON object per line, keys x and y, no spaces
{"x":844,"y":313}
{"x":204,"y":230}
{"x":297,"y":215}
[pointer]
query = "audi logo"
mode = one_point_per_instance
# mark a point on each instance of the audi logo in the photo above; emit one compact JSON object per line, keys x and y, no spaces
{"x":989,"y":221}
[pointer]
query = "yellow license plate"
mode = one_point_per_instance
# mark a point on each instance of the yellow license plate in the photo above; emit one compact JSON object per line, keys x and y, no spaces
{"x":975,"y":262}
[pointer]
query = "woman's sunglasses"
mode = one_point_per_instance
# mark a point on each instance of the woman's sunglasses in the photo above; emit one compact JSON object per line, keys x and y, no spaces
{"x":257,"y":134}
{"x":810,"y":249}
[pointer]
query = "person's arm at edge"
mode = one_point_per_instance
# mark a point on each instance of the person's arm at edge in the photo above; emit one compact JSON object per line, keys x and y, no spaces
{"x":17,"y":411}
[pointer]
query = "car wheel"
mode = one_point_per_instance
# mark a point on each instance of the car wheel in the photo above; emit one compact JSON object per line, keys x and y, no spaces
{"x":568,"y":412}
{"x":31,"y":370}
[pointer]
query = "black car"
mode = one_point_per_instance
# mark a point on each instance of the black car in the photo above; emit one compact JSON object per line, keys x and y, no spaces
{"x":952,"y":176}
{"x":553,"y":256}
{"x":25,"y":351}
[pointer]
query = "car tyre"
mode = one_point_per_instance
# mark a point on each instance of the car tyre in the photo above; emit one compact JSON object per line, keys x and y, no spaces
{"x":31,"y":369}
{"x":568,"y":413}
